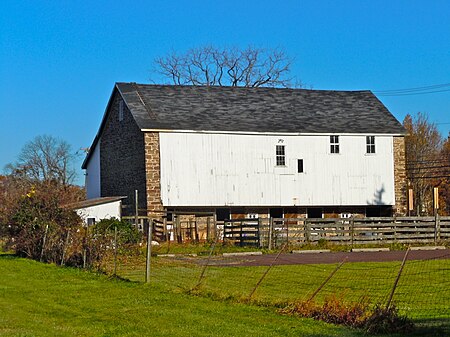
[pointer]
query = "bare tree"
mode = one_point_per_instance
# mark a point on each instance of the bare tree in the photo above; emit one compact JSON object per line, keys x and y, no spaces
{"x":45,"y":158}
{"x":445,"y":182}
{"x":424,"y":162}
{"x":250,"y":67}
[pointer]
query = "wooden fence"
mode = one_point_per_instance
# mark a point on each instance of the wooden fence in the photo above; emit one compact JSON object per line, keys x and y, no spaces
{"x":273,"y":232}
{"x":357,"y":230}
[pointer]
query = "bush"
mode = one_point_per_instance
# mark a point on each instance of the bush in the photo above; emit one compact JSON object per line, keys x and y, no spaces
{"x":387,"y":320}
{"x":355,"y":315}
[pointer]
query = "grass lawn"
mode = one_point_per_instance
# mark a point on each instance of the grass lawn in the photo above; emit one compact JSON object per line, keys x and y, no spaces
{"x":45,"y":300}
{"x":423,"y":292}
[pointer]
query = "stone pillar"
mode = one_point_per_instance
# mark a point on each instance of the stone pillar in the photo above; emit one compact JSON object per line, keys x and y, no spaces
{"x":400,"y":182}
{"x":153,"y":174}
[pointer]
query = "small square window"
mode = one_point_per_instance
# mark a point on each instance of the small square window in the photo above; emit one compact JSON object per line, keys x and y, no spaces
{"x":300,"y":165}
{"x":334,"y":144}
{"x":370,"y":144}
{"x":280,"y":155}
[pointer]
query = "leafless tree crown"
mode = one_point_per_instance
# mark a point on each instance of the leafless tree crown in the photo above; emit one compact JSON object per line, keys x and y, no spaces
{"x":250,"y":67}
{"x":45,"y":158}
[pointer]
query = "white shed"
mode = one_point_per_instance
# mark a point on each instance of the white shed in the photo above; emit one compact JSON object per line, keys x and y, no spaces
{"x":94,"y":210}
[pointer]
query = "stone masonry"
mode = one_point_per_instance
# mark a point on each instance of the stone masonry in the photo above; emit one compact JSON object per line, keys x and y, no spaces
{"x":153,"y":174}
{"x":400,"y":183}
{"x":122,"y":168}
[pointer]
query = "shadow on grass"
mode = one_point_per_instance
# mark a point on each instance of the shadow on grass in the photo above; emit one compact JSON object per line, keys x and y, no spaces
{"x":432,"y":327}
{"x":8,"y":256}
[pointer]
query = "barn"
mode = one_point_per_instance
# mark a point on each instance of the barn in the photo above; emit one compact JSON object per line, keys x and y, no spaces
{"x":249,"y":152}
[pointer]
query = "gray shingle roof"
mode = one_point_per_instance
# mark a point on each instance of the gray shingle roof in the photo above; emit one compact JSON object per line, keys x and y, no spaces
{"x":257,"y":109}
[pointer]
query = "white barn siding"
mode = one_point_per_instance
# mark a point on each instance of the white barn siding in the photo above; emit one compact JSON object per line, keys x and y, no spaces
{"x":92,"y":180}
{"x":199,"y":169}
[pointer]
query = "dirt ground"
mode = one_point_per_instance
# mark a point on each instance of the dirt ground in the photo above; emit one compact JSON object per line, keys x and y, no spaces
{"x":333,"y":257}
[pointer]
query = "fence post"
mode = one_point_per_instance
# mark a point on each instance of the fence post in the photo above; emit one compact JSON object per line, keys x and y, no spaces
{"x":270,"y":232}
{"x":136,"y":214}
{"x":260,"y":242}
{"x":149,"y":251}
{"x":352,"y":229}
{"x":307,"y":231}
{"x":395,"y":228}
{"x":327,"y":280}
{"x":437,"y":227}
{"x":66,"y":243}
{"x":115,"y":250}
{"x":43,"y":243}
{"x":286,"y":222}
{"x":267,"y":271}
{"x":396,"y":280}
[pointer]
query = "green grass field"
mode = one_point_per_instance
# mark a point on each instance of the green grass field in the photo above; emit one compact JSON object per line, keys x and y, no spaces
{"x":423,"y":292}
{"x":44,"y":300}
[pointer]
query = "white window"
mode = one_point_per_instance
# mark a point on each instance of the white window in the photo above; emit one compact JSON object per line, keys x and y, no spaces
{"x":370,"y":144}
{"x":281,"y":155}
{"x":120,"y":110}
{"x":334,"y":144}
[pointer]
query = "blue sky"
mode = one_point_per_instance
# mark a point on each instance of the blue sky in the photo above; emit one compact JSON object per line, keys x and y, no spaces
{"x":59,"y":60}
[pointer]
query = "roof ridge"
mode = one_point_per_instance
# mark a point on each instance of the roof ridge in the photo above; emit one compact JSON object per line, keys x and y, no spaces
{"x":134,"y":84}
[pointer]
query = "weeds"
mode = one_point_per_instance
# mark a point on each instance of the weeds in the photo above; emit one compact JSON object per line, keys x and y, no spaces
{"x":359,"y":315}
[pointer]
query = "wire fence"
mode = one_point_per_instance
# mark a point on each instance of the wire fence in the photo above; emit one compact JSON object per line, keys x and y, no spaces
{"x":421,"y":290}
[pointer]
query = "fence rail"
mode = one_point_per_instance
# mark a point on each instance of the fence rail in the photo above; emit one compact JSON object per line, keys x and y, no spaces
{"x":273,"y":232}
{"x":357,"y":230}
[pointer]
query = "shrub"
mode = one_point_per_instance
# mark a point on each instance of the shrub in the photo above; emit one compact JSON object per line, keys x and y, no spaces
{"x":387,"y":320}
{"x":356,"y":315}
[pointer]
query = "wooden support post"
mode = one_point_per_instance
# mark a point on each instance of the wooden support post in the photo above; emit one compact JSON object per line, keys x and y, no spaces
{"x":166,"y":233}
{"x":178,"y":230}
{"x":196,"y":231}
{"x":208,"y":228}
{"x":149,"y":251}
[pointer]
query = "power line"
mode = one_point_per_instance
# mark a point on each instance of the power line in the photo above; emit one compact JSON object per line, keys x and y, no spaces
{"x":415,"y":91}
{"x":429,"y":87}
